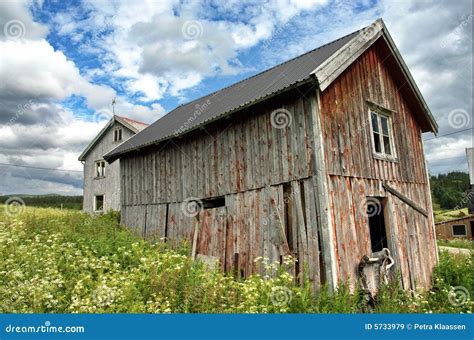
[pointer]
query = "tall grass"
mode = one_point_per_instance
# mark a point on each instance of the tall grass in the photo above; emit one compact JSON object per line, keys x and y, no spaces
{"x":67,"y":262}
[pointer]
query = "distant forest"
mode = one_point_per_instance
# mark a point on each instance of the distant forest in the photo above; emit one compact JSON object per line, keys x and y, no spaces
{"x":449,"y":190}
{"x":54,"y":201}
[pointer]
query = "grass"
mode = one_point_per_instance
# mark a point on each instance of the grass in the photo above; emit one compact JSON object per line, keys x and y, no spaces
{"x":59,"y":261}
{"x":457,"y":243}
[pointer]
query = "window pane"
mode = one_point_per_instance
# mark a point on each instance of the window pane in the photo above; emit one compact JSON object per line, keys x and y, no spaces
{"x":375,"y":122}
{"x":459,"y":230}
{"x":384,"y":122}
{"x":386,"y":145}
{"x":377,"y":143}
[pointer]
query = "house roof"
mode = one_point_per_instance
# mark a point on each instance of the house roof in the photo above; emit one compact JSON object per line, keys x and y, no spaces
{"x":456,"y":219}
{"x":322,"y":65}
{"x":131,"y":124}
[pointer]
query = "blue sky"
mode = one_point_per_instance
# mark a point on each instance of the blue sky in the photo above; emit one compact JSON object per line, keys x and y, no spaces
{"x":62,"y":62}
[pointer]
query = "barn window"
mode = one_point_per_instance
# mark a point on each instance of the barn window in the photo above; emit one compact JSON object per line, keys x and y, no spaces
{"x":378,"y":233}
{"x":117,"y":135}
{"x":459,"y":230}
{"x":382,"y":137}
{"x":99,"y":203}
{"x":99,"y":168}
{"x":211,"y":203}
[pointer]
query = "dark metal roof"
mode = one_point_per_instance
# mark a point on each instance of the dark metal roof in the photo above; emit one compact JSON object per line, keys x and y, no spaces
{"x":201,"y":111}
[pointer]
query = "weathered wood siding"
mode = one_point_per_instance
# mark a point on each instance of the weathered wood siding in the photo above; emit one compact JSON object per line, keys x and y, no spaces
{"x":353,"y":173}
{"x":250,"y":225}
{"x":264,"y":173}
{"x":109,"y":186}
{"x":234,"y":155}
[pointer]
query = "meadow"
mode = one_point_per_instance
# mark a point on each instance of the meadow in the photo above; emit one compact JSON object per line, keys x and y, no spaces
{"x":64,"y":261}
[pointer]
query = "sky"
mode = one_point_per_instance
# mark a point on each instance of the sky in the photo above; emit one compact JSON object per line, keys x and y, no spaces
{"x":62,"y":63}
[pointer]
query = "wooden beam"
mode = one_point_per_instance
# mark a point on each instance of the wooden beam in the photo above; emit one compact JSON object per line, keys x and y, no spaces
{"x":320,"y":183}
{"x":405,"y":199}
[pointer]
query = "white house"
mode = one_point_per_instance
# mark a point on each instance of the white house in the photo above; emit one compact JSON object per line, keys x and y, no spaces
{"x":102,"y":180}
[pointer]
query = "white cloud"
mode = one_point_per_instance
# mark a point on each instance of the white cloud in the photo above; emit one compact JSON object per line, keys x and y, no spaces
{"x":168,"y":47}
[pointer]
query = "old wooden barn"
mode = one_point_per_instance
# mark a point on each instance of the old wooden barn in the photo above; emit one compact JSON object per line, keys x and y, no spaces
{"x":320,"y":157}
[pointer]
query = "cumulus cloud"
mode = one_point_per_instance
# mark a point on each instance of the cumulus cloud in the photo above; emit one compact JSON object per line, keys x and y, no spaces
{"x":167,"y":48}
{"x":36,"y":127}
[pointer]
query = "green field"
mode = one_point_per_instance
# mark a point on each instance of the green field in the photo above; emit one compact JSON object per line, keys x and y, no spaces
{"x":64,"y":261}
{"x":45,"y":201}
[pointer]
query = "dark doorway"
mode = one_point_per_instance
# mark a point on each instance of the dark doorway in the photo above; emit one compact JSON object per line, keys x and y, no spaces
{"x":378,"y":233}
{"x":472,"y":230}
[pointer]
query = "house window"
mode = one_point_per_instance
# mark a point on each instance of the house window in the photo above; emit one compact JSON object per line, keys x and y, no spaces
{"x":382,"y":137}
{"x":378,"y":233}
{"x":99,"y":203}
{"x":459,"y":230}
{"x":100,"y":169}
{"x":117,"y":135}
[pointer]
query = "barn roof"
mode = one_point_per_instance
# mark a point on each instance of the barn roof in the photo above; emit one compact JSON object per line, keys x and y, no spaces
{"x":131,"y":124}
{"x":322,"y":64}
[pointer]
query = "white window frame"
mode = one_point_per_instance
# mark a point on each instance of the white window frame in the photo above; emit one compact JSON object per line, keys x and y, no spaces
{"x":386,"y":113}
{"x":116,"y":133}
{"x":459,"y":224}
{"x":99,"y":169}
{"x":95,"y":203}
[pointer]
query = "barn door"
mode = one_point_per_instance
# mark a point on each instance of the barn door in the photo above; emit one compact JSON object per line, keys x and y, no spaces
{"x":374,"y":267}
{"x":210,"y":247}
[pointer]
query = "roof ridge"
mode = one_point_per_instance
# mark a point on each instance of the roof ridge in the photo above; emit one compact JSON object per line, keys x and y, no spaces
{"x":264,"y":71}
{"x":131,"y":119}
